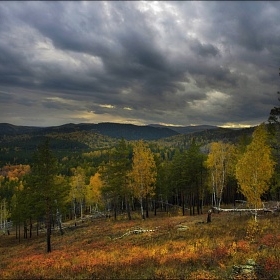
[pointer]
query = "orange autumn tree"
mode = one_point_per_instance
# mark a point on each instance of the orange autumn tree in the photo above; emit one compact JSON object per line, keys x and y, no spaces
{"x":143,"y":174}
{"x":255,"y":168}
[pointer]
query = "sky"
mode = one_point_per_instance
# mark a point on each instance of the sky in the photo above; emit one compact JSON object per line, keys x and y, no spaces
{"x":139,"y":62}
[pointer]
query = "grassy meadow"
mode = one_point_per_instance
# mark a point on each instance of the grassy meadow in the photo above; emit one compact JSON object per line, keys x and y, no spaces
{"x":175,"y":247}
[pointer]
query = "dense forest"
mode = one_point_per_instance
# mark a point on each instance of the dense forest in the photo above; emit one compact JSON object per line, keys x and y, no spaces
{"x":52,"y":175}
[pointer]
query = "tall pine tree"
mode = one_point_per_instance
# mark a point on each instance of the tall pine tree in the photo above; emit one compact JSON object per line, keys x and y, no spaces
{"x":46,"y":193}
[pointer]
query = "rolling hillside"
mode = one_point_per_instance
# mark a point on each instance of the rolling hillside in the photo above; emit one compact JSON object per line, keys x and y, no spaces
{"x":18,"y":143}
{"x":114,"y":130}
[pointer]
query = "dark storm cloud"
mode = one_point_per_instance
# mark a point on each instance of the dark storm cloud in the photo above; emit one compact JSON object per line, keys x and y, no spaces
{"x":169,"y":62}
{"x":203,"y":50}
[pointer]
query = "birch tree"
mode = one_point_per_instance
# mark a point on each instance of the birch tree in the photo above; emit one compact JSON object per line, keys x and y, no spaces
{"x":255,"y":168}
{"x":93,"y":191}
{"x":78,"y":191}
{"x":220,"y":163}
{"x":143,"y":174}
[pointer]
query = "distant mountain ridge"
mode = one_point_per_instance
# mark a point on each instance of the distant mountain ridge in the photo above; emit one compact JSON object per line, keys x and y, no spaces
{"x":187,"y":129}
{"x":114,"y":130}
{"x":18,"y":143}
{"x":10,"y":129}
{"x":118,"y":130}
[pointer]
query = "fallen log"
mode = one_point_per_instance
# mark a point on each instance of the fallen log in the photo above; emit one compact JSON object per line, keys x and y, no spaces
{"x":243,"y":210}
{"x":135,"y":231}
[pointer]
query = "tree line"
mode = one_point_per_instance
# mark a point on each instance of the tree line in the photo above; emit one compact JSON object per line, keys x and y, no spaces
{"x":134,"y":176}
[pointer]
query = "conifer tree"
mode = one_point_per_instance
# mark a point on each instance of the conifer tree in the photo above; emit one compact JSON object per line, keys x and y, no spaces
{"x":114,"y":176}
{"x":274,"y":141}
{"x":45,"y":193}
{"x":195,"y":175}
{"x":178,"y":176}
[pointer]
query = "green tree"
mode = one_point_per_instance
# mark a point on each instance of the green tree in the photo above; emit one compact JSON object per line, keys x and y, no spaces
{"x":43,"y":189}
{"x":143,"y":174}
{"x":274,"y":116}
{"x":274,"y":140}
{"x":195,"y":177}
{"x":114,"y":175}
{"x":188,"y":176}
{"x":163,"y":185}
{"x":178,"y":177}
{"x":24,"y":208}
{"x":255,"y":168}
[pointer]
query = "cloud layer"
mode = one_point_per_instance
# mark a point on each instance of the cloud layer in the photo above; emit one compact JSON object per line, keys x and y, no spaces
{"x":177,"y":63}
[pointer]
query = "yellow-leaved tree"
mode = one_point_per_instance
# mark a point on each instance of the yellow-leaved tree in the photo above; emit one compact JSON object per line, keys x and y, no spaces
{"x":93,"y":192}
{"x":143,"y":174}
{"x":77,"y":191}
{"x":255,"y":168}
{"x":220,"y":163}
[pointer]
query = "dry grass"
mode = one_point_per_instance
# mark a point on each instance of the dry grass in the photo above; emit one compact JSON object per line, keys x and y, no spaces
{"x":179,"y":248}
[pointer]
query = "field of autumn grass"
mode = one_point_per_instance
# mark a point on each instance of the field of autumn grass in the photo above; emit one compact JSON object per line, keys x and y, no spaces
{"x":177,"y":247}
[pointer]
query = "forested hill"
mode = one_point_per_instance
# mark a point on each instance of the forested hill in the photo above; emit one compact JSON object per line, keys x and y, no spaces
{"x":207,"y":136}
{"x":18,"y":143}
{"x":114,"y":130}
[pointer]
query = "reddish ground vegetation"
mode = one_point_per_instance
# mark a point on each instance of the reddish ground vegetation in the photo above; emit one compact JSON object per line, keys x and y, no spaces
{"x":178,"y":248}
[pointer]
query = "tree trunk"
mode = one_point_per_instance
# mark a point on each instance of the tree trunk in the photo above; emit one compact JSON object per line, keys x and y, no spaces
{"x":75,"y":214}
{"x":128,"y":208}
{"x":166,"y":206}
{"x":19,"y":232}
{"x":142,"y":210}
{"x":147,"y":207}
{"x":49,"y":238}
{"x":190,"y":203}
{"x":30,"y":227}
{"x":193,"y":205}
{"x":81,"y":207}
{"x":37,"y":227}
{"x":183,"y":203}
{"x":115,"y":209}
{"x":58,"y":218}
{"x":48,"y":225}
{"x":48,"y":235}
{"x":53,"y":221}
{"x":25,"y":230}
